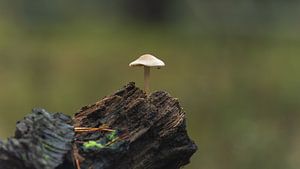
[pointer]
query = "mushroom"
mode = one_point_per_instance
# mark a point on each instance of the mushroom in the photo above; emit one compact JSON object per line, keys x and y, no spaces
{"x":147,"y":61}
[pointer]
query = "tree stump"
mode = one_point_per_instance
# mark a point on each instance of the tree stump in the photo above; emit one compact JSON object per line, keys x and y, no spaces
{"x":126,"y":130}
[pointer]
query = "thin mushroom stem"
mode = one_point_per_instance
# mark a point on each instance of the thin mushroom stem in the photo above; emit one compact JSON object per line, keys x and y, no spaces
{"x":146,"y":79}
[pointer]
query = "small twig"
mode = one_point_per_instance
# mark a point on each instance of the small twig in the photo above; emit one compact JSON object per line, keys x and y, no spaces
{"x":116,"y":139}
{"x":75,"y":156}
{"x":86,"y":129}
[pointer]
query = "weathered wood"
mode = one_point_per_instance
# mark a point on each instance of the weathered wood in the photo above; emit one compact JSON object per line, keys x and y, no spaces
{"x":41,"y":141}
{"x":154,"y":127}
{"x":126,"y":130}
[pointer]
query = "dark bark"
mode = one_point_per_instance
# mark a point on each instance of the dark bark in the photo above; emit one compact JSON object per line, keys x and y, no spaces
{"x":41,"y":141}
{"x":145,"y":132}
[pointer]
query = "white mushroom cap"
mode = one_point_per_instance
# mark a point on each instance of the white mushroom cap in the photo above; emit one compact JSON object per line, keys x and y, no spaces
{"x":148,"y":60}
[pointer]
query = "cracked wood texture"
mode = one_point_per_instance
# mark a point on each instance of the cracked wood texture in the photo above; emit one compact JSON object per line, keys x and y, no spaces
{"x":154,"y":126}
{"x":41,"y":141}
{"x":145,"y":132}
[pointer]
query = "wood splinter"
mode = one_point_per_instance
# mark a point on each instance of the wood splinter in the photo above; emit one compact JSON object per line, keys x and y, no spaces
{"x":88,"y":129}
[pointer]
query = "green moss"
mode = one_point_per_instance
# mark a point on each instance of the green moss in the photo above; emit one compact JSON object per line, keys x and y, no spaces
{"x":112,"y":135}
{"x":92,"y":144}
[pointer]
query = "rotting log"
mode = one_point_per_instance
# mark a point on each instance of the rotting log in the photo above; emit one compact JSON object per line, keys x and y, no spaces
{"x":126,"y":130}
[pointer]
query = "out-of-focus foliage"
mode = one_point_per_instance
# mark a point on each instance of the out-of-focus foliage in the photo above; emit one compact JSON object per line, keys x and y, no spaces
{"x":234,"y":65}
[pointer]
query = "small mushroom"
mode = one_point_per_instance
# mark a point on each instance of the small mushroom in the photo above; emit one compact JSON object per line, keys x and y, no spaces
{"x":147,"y":61}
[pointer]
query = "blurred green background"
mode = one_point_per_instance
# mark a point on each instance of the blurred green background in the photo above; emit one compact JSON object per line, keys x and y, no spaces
{"x":234,"y":65}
